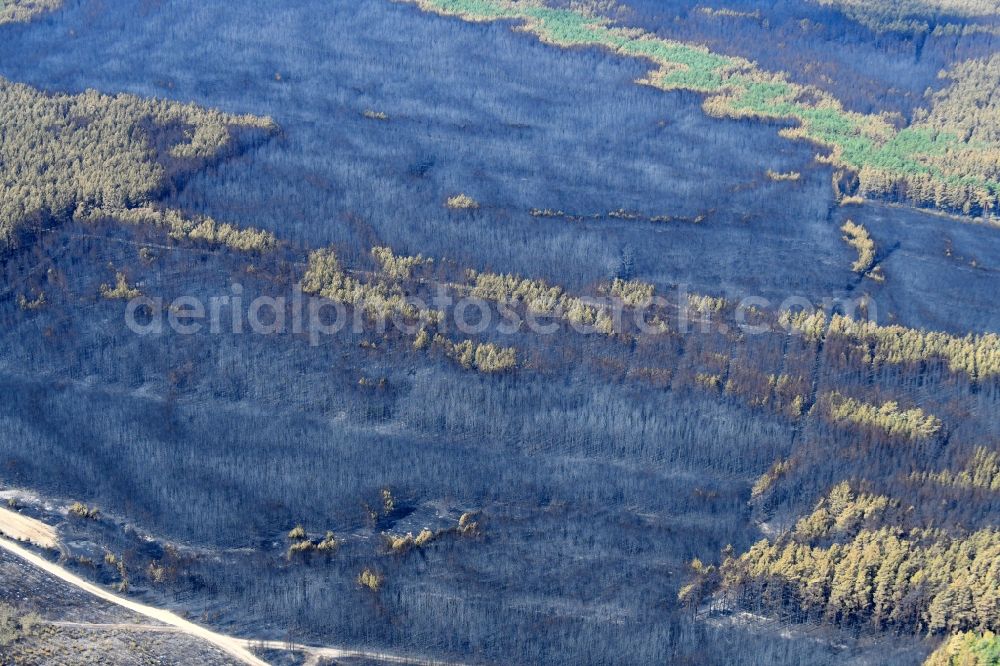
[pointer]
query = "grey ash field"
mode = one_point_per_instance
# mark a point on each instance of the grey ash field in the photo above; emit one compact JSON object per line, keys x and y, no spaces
{"x":826,"y":492}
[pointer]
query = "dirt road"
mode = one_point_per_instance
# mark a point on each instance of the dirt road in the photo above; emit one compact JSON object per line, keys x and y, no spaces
{"x":231,"y":646}
{"x":240,"y":648}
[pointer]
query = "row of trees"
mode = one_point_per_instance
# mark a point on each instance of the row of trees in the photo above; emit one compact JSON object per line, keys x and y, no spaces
{"x":977,"y":356}
{"x":540,"y":297}
{"x":181,"y":227}
{"x":858,"y":237}
{"x":384,"y":297}
{"x":974,"y":355}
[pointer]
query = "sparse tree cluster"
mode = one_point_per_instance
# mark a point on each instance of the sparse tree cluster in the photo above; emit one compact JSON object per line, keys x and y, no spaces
{"x":484,"y":356}
{"x":118,"y":564}
{"x":401,"y":543}
{"x":15,"y":626}
{"x":462,"y":202}
{"x":36,"y":303}
{"x":812,"y":325}
{"x":384,"y":298}
{"x":121,"y":290}
{"x":779,"y":177}
{"x":398,"y":267}
{"x":770,"y":477}
{"x":633,"y":293}
{"x":974,"y":355}
{"x":888,"y":417}
{"x":370,"y":579}
{"x":843,"y":511}
{"x":302,"y":544}
{"x":81,"y":510}
{"x":761,"y":389}
{"x":705,"y":304}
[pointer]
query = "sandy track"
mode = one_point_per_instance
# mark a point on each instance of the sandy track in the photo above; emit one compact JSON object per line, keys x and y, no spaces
{"x":238,"y":648}
{"x":22,"y":528}
{"x":317,"y":653}
{"x":231,"y":646}
{"x":118,"y":626}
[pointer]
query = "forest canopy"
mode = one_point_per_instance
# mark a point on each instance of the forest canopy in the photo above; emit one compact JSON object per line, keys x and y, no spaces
{"x":13,"y":11}
{"x":911,"y":15}
{"x":593,"y":382}
{"x":64,"y":155}
{"x":843,"y":563}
